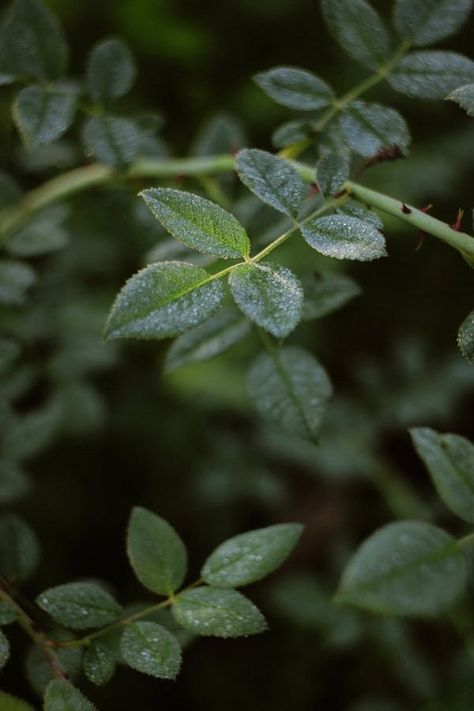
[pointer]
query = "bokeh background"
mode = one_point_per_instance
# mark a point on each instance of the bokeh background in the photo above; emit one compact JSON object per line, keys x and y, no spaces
{"x":189,"y":446}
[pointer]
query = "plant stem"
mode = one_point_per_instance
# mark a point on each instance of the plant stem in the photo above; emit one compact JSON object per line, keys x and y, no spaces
{"x":339,"y":104}
{"x":38,"y":637}
{"x":461,"y":241}
{"x":466,"y":542}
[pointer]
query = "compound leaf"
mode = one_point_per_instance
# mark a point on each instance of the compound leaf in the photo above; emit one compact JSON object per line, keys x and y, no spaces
{"x":270,"y":296}
{"x":80,"y":605}
{"x":427,"y":21}
{"x":110,"y":71}
{"x":156,"y":552}
{"x":431,"y":74}
{"x":250,"y":556}
{"x":198,"y":222}
{"x":344,"y":237}
{"x":151,"y":649}
{"x":217,"y":612}
{"x":449,"y":459}
{"x":272,"y":179}
{"x":163,"y":300}
{"x":359,"y":30}
{"x":295,"y":88}
{"x":405,"y":568}
{"x":290,"y":389}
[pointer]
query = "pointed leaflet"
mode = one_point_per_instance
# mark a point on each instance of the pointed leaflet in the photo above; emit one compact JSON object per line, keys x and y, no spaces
{"x":431,"y":74}
{"x":405,"y":568}
{"x":156,"y":552}
{"x":359,"y":30}
{"x":99,"y":661}
{"x":214,"y":336}
{"x":464,"y":96}
{"x":428,"y":21}
{"x":369,"y":127}
{"x":151,"y":649}
{"x":198,"y":222}
{"x":80,"y":606}
{"x":62,"y":696}
{"x":217,"y":612}
{"x":32,"y":43}
{"x":295,"y":88}
{"x":332,"y":171}
{"x":344,"y":238}
{"x":43,"y":114}
{"x":466,"y":337}
{"x":19,"y":548}
{"x":111,"y":139}
{"x":251,"y":556}
{"x":110,"y":71}
{"x":270,"y":296}
{"x":272,"y":179}
{"x":325,"y":292}
{"x":290,"y":389}
{"x":163,"y":300}
{"x":449,"y":459}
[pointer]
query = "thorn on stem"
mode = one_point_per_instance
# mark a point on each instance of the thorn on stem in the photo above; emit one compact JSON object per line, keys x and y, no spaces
{"x":457,"y":224}
{"x":405,"y":209}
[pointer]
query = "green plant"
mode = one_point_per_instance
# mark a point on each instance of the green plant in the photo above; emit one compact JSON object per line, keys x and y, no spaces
{"x":188,"y":291}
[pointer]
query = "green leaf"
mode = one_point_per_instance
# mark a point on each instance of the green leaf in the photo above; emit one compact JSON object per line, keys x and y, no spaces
{"x":80,"y":606}
{"x":290,"y":389}
{"x":62,"y":696}
{"x":250,"y":556}
{"x":12,"y":703}
{"x":19,"y":548}
{"x":39,"y":670}
{"x":15,"y":279}
{"x":359,"y":30}
{"x":344,"y":238}
{"x":7,"y":614}
{"x":355,"y":209}
{"x":295,"y":88}
{"x":332,"y":171}
{"x":43,"y":114}
{"x":405,"y":568}
{"x":216,"y":612}
{"x":431,"y":74}
{"x":222,"y":133}
{"x":32,"y":43}
{"x":464,"y":96}
{"x":43,"y":234}
{"x":466,"y":337}
{"x":449,"y":459}
{"x":163,"y":300}
{"x":4,"y":649}
{"x":156,"y":552}
{"x":151,"y":649}
{"x":292,"y":132}
{"x":272,"y":179}
{"x":110,"y":71}
{"x":111,"y":139}
{"x":99,"y":662}
{"x":270,"y":296}
{"x":198,"y":222}
{"x":428,"y":21}
{"x":325,"y":292}
{"x":209,"y":339}
{"x":368,"y":128}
